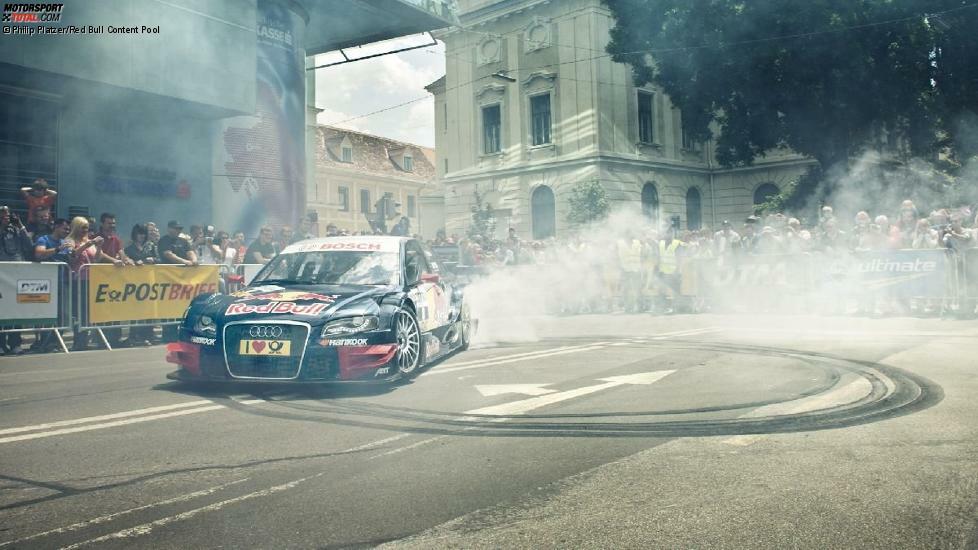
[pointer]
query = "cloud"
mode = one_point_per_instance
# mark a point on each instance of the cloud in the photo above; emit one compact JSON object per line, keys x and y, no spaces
{"x":354,"y":89}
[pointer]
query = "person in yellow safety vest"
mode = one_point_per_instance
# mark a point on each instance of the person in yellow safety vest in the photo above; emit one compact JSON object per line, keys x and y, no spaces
{"x":650,"y":262}
{"x":630,"y":261}
{"x":669,"y":269}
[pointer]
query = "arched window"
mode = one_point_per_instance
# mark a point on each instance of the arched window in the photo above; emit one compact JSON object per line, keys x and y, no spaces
{"x":694,"y":212}
{"x":650,"y":203}
{"x":764,"y":192}
{"x":543,"y":212}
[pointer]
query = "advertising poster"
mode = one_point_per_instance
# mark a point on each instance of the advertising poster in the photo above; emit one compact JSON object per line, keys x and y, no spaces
{"x":28,"y":294}
{"x":146,"y":292}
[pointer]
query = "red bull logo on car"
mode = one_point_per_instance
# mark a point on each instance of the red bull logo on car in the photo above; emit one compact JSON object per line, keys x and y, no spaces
{"x":273,"y":308}
{"x":291,"y":297}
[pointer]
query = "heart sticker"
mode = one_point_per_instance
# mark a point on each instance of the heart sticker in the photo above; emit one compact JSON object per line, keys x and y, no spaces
{"x":258,"y":345}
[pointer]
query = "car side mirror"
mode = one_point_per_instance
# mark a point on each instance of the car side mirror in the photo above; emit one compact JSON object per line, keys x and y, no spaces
{"x":430,"y":277}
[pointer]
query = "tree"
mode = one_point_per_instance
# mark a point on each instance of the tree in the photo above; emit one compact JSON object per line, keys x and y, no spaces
{"x":588,"y":202}
{"x":483,"y":224}
{"x":825,"y":78}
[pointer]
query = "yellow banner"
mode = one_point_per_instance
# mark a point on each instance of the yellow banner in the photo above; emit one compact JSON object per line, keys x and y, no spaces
{"x":146,"y":292}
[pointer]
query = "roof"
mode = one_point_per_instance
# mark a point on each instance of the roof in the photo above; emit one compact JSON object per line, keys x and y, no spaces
{"x":369,"y":243}
{"x":373,"y":154}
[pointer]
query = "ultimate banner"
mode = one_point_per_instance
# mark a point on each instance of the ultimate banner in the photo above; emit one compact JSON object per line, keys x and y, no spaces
{"x":146,"y":292}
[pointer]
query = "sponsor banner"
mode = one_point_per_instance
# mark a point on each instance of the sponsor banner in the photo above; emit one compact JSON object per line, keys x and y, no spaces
{"x":971,"y":272}
{"x":146,"y":292}
{"x":360,"y":244}
{"x":28,"y":293}
{"x":920,"y":273}
{"x":776,"y":273}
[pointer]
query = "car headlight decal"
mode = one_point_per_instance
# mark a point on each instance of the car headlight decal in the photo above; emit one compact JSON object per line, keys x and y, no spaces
{"x":351,"y":325}
{"x":205,"y":325}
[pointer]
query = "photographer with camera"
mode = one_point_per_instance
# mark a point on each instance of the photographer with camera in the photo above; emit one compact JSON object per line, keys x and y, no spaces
{"x":15,"y":247}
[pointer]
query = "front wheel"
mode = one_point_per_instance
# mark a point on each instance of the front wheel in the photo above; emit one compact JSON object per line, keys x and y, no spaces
{"x":408,"y":342}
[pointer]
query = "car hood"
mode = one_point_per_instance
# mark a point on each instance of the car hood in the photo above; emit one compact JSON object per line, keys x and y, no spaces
{"x":307,"y":303}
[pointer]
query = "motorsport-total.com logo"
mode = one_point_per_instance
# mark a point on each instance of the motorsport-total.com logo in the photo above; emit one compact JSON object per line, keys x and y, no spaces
{"x":32,"y":13}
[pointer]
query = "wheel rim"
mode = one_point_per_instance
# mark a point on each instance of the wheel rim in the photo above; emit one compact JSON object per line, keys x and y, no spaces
{"x":408,"y":343}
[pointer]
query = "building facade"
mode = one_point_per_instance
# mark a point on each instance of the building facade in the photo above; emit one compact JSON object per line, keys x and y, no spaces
{"x":531,"y":104}
{"x":355,"y":170}
{"x":195,"y":111}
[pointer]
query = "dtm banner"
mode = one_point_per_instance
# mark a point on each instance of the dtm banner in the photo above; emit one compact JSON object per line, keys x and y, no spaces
{"x":916,"y":273}
{"x":146,"y":292}
{"x":28,"y":294}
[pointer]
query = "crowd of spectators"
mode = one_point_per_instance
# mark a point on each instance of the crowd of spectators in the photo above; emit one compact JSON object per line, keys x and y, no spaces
{"x":641,"y":267}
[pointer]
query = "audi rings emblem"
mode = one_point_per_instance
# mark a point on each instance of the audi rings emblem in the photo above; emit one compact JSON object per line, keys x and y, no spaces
{"x":265,"y":331}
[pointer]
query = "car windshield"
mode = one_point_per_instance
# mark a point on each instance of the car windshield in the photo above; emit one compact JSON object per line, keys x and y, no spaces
{"x":332,"y":267}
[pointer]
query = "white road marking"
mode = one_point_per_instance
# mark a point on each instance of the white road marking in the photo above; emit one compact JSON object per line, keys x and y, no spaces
{"x":408,"y":447}
{"x":110,"y":517}
{"x":147,"y":528}
{"x":100,"y":418}
{"x":599,"y":345}
{"x":525,"y":389}
{"x":528,"y":354}
{"x":690,"y":332}
{"x":526,"y":405}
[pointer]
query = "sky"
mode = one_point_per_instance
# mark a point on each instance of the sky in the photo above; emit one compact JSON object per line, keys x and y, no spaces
{"x":353,"y":89}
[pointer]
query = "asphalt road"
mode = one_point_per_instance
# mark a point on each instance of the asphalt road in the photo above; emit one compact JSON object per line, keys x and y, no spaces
{"x":592,"y":431}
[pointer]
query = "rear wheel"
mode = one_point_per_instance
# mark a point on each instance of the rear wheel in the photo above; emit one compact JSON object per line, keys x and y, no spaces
{"x":464,"y":327}
{"x":408,"y":337}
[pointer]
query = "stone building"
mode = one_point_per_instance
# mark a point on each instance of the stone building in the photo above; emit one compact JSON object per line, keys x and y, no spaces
{"x":531,"y":104}
{"x":354,"y":170}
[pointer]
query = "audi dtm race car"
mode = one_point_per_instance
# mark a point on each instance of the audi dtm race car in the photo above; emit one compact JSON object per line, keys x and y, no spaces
{"x":325,"y":310}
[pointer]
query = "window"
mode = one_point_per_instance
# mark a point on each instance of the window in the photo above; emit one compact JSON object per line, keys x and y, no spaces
{"x":688,"y":143}
{"x":694,"y":212}
{"x":412,"y":207}
{"x":408,"y":163}
{"x":543,"y":213}
{"x":645,"y":120}
{"x":540,"y":118}
{"x":765,"y":192}
{"x":344,"y":199}
{"x":446,"y":166}
{"x":348,"y":154}
{"x":650,"y":203}
{"x":365,"y":201}
{"x":491,"y":130}
{"x":444,"y":117}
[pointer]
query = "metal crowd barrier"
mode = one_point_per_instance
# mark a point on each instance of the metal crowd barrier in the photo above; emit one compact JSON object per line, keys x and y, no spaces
{"x":83,"y":315}
{"x":24,"y":284}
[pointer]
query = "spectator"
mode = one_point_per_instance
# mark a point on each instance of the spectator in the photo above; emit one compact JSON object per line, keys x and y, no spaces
{"x":52,"y":248}
{"x":38,"y":195}
{"x":630,"y":262}
{"x":332,"y":231}
{"x":174,"y":248}
{"x":956,"y":237}
{"x":923,"y":236}
{"x":111,"y":251}
{"x":16,"y":243}
{"x":41,"y":224}
{"x":85,"y":250}
{"x":262,"y":249}
{"x":15,"y":247}
{"x":222,"y":251}
{"x":304,"y":232}
{"x":239,"y":247}
{"x":286,"y":236}
{"x":141,"y":251}
{"x":403,"y":227}
{"x":725,"y":242}
{"x":153,"y":233}
{"x":198,"y":242}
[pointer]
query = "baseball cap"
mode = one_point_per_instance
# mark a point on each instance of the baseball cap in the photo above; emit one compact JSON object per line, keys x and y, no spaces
{"x":173,"y":224}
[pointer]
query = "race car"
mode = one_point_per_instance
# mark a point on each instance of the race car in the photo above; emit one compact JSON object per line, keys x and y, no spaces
{"x":338,"y":309}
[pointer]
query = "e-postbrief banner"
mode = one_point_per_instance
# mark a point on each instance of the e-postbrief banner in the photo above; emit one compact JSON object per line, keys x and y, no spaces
{"x":28,"y":294}
{"x":146,"y":292}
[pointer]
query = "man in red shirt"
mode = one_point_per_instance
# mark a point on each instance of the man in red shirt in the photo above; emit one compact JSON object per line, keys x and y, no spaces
{"x":38,"y":195}
{"x":112,"y":250}
{"x":111,"y":253}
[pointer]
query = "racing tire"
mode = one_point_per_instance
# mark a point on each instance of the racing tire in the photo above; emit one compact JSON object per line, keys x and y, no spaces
{"x":409,"y":358}
{"x":464,"y":327}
